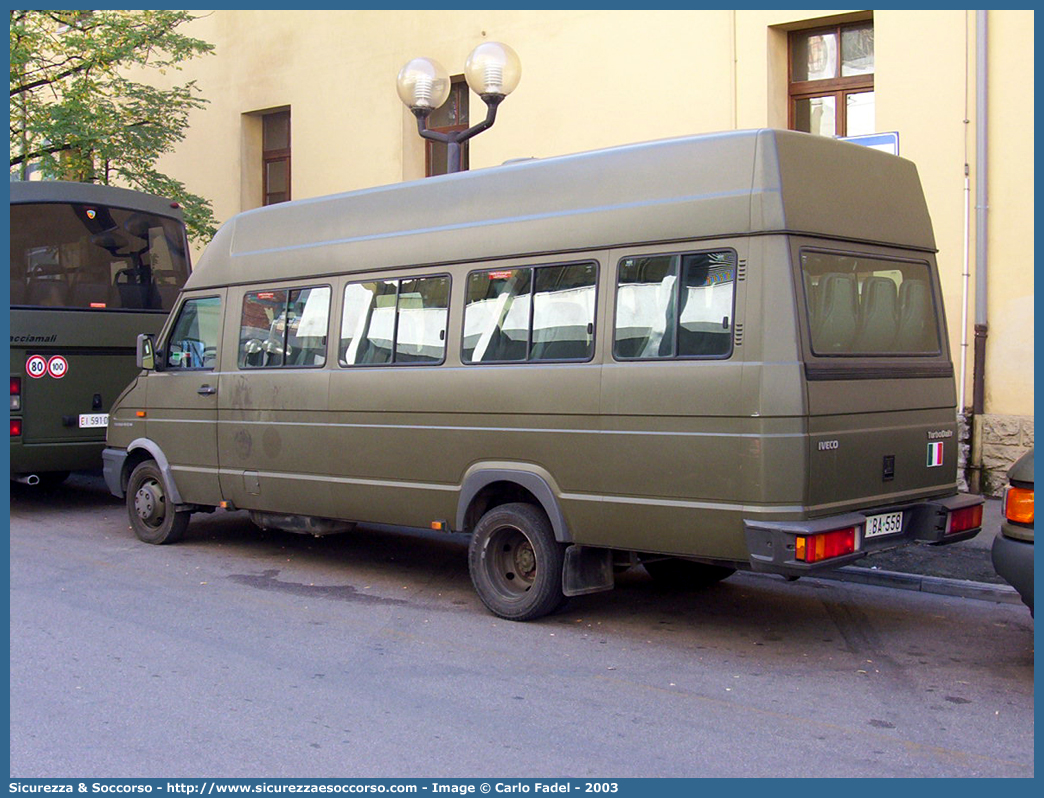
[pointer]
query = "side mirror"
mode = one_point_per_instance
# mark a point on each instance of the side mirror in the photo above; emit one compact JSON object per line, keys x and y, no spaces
{"x":145,"y":355}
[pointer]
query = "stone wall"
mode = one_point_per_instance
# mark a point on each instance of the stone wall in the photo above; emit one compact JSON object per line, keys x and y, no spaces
{"x":1003,"y":441}
{"x":963,"y":450}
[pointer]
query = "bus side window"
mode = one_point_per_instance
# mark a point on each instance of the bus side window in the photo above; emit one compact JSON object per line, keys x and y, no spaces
{"x":394,"y":322}
{"x":675,"y":305}
{"x":564,"y":312}
{"x":194,"y":340}
{"x":705,"y":307}
{"x":308,"y":313}
{"x":423,"y":310}
{"x":261,"y":329}
{"x":496,"y":316}
{"x":531,"y":313}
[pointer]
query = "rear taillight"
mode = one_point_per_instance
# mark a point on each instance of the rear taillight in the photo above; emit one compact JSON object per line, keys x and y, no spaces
{"x":16,"y":427}
{"x":1018,"y":505}
{"x":815,"y":548}
{"x":16,"y":393}
{"x":964,"y":519}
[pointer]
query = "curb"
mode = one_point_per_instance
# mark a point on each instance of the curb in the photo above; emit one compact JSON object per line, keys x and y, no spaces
{"x":962,"y":588}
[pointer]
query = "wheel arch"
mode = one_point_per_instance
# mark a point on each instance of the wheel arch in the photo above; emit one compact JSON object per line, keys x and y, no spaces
{"x":490,"y":486}
{"x":141,"y":449}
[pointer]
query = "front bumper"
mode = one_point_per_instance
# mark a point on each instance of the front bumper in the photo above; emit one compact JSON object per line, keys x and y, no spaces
{"x":772,"y":549}
{"x":112,"y":468}
{"x":1013,"y":562}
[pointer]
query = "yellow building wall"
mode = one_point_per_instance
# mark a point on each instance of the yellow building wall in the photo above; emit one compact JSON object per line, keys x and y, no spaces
{"x":594,"y":79}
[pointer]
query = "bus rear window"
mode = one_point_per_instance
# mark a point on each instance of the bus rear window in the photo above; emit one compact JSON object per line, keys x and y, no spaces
{"x":69,"y":255}
{"x":862,"y":305}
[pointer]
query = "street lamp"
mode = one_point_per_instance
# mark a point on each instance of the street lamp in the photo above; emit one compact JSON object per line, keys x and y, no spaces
{"x":492,"y":71}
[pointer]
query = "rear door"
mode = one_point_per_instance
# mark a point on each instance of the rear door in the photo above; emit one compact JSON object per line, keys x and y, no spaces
{"x":70,"y":381}
{"x":880,"y":386}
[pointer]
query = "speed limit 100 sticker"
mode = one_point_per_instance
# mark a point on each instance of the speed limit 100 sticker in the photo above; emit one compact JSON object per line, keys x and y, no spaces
{"x":57,"y":366}
{"x":36,"y":366}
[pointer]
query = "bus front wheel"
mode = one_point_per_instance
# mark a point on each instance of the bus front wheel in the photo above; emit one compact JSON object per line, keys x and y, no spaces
{"x":152,"y":514}
{"x":516,"y":563}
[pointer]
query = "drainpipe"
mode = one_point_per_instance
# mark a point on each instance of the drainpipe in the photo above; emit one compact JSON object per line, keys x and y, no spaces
{"x":965,"y":280}
{"x":981,"y":206}
{"x":735,"y":77}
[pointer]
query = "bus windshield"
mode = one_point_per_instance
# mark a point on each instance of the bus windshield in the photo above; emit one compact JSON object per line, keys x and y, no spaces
{"x":70,"y":255}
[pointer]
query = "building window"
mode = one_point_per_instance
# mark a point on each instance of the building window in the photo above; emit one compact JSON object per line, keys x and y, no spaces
{"x":451,"y":116}
{"x":275,"y":156}
{"x":832,"y":80}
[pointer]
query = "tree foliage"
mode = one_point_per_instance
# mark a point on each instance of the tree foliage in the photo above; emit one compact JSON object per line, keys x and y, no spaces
{"x":81,"y":109}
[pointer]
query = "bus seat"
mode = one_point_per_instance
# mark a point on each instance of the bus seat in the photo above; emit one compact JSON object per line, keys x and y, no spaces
{"x":48,"y":289}
{"x":703,"y":342}
{"x":879,"y":314}
{"x":502,"y":347}
{"x":914,"y":332}
{"x":838,"y":313}
{"x":565,"y":338}
{"x":138,"y":225}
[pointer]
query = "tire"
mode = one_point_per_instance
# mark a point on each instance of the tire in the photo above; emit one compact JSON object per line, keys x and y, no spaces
{"x":686,"y":574}
{"x":152,"y":516}
{"x":516,"y":563}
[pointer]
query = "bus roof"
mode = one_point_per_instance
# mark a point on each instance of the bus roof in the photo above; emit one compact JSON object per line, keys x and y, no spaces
{"x":710,"y":186}
{"x":27,"y":191}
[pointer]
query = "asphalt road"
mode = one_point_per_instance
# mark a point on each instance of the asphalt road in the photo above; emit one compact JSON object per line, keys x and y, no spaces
{"x":241,"y":653}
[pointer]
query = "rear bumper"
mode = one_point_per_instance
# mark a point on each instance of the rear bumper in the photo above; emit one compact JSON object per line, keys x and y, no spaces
{"x":35,"y":458}
{"x":771,"y":544}
{"x":1013,"y":562}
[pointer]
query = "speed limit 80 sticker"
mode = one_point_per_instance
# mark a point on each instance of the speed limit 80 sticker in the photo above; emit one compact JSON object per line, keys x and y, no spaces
{"x":37,"y":366}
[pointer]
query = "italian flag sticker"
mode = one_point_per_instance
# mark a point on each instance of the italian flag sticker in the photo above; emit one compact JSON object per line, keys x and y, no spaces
{"x":935,"y":454}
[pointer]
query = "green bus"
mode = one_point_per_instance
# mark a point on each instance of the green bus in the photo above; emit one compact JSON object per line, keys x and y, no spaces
{"x":91,"y":267}
{"x":693,"y":355}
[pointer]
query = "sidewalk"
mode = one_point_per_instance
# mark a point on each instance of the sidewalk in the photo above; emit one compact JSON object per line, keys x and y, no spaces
{"x":960,"y":569}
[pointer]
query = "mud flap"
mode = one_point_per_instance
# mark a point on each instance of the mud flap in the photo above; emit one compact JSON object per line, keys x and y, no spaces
{"x":587,"y":570}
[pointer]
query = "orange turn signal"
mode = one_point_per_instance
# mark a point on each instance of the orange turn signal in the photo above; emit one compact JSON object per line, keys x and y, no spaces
{"x":1018,"y":505}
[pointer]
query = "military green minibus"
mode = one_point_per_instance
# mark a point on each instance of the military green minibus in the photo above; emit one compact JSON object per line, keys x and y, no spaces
{"x":695,"y":355}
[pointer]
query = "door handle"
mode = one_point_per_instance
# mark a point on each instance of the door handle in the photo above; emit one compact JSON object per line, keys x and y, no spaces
{"x":206,"y":390}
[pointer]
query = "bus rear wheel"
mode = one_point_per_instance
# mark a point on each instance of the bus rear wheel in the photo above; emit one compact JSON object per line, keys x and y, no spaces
{"x":516,"y":563}
{"x":685,"y":574}
{"x":152,"y":514}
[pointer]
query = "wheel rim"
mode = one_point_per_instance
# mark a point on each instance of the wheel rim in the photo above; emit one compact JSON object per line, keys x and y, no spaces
{"x":511,"y":562}
{"x":150,"y":503}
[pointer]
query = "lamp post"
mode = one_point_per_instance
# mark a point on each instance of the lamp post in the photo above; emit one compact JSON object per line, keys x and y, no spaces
{"x":492,"y":71}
